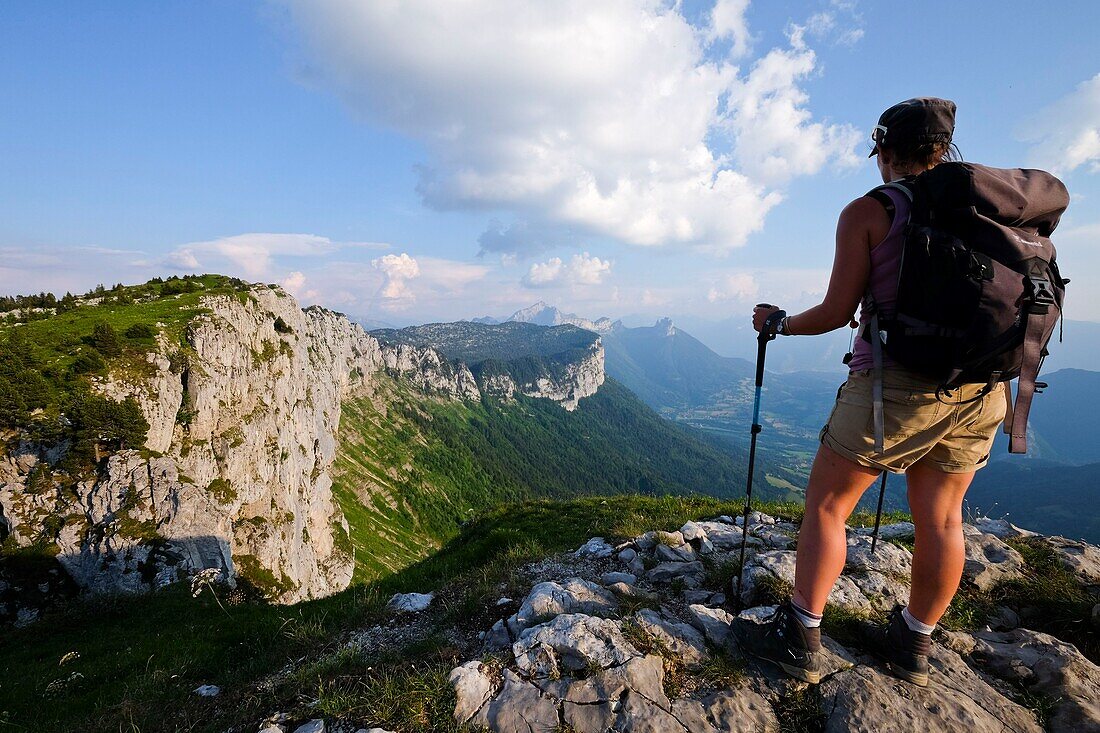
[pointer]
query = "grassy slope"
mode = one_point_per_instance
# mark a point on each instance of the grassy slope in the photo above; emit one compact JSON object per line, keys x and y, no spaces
{"x":59,"y":338}
{"x":407,"y":478}
{"x":141,"y":657}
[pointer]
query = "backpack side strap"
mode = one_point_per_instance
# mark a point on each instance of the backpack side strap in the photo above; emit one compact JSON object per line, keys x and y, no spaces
{"x":1033,"y":346}
{"x":1007,"y":426}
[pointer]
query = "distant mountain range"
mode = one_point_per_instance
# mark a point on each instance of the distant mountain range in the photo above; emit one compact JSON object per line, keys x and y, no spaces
{"x":734,"y":337}
{"x":668,"y":368}
{"x":731,"y":337}
{"x":683,"y":379}
{"x":541,"y":314}
{"x":473,"y":343}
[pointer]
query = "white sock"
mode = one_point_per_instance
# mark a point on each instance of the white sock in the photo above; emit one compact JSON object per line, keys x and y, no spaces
{"x":914,"y":624}
{"x":807,"y":619}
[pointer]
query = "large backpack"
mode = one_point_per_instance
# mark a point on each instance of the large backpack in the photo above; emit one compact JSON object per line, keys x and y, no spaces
{"x":979,"y":291}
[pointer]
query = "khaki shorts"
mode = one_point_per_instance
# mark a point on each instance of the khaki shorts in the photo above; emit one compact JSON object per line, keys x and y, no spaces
{"x":955,"y":437}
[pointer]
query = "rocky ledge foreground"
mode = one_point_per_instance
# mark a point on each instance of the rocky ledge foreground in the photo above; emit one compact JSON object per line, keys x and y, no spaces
{"x":641,"y":637}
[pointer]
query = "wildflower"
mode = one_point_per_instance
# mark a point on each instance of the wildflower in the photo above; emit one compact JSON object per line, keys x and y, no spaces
{"x":62,"y":682}
{"x":205,"y":578}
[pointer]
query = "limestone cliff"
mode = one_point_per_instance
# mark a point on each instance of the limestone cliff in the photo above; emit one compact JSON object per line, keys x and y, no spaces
{"x":576,"y":380}
{"x":235,"y":473}
{"x":563,"y":363}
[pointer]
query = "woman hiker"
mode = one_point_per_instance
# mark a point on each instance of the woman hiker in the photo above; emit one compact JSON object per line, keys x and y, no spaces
{"x":938,"y":446}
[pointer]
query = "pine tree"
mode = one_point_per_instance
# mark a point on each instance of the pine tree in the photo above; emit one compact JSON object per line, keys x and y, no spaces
{"x":105,"y":339}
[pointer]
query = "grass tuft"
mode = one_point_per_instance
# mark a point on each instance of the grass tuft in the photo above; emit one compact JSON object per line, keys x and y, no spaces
{"x":676,"y":673}
{"x":719,"y":573}
{"x":800,"y":710}
{"x":720,"y":670}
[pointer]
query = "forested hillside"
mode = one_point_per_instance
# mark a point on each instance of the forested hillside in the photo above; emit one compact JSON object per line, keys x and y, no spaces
{"x":410,"y":470}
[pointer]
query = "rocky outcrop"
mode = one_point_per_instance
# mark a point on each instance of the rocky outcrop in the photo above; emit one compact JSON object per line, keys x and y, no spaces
{"x":562,"y":363}
{"x":577,"y":380}
{"x":1044,"y":666}
{"x":580,"y":650}
{"x":581,"y":378}
{"x":429,"y":371}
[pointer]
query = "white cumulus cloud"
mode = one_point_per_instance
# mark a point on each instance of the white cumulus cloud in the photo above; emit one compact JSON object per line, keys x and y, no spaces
{"x":1066,"y":134}
{"x":842,"y":24}
{"x":252,"y":255}
{"x":615,"y":117}
{"x":738,"y":286}
{"x":182,"y":259}
{"x":727,"y":21}
{"x":775,"y":136}
{"x":398,"y":270}
{"x":582,"y":269}
{"x":293,"y":282}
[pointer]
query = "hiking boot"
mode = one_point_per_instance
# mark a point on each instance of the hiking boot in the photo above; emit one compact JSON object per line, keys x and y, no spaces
{"x":905,"y":651}
{"x":784,"y":641}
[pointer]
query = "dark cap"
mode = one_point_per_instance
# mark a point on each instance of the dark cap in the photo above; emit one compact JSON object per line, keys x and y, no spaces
{"x":920,"y":120}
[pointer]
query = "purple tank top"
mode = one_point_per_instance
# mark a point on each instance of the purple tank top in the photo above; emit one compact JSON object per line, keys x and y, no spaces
{"x":885,"y":261}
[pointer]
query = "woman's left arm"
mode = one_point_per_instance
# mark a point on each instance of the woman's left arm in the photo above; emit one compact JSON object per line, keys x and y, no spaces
{"x":862,"y":223}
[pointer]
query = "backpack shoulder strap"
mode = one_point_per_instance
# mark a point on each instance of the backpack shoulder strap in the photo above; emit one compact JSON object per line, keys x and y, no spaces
{"x":904,"y":185}
{"x":887,"y":203}
{"x":877,"y":409}
{"x":879,"y":194}
{"x":1038,"y":307}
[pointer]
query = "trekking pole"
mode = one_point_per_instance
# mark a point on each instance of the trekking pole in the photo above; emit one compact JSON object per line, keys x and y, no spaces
{"x":767,"y":333}
{"x":878,"y":513}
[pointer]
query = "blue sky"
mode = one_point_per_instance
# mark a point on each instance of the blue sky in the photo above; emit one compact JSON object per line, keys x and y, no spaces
{"x":432,"y":161}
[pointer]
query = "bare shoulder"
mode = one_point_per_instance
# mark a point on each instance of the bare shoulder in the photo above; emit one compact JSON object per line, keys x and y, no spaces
{"x":866,"y":219}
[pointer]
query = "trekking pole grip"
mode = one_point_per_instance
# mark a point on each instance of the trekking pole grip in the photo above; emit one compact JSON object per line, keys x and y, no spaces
{"x":767,"y":333}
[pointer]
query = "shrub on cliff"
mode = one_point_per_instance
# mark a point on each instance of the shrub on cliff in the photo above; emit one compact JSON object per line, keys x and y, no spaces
{"x":88,"y":362}
{"x":22,"y":387}
{"x":140,"y":331}
{"x":105,"y":339}
{"x":101,"y":424}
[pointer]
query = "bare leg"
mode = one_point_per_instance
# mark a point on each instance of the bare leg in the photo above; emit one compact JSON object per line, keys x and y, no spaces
{"x":833,"y":491}
{"x":935,"y":500}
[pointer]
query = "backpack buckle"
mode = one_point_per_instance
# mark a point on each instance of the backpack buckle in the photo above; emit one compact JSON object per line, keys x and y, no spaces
{"x":1039,"y":294}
